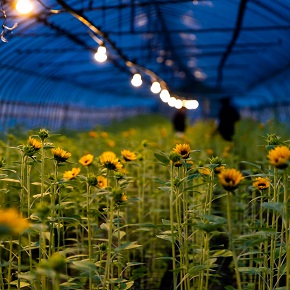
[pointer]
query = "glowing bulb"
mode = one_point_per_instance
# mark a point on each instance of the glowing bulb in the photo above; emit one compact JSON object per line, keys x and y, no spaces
{"x":136,"y":80}
{"x":101,"y":55}
{"x":164,"y":96}
{"x":155,"y":87}
{"x":191,"y":104}
{"x":172,"y":102}
{"x":178,"y":104}
{"x":24,"y":6}
{"x":102,"y":49}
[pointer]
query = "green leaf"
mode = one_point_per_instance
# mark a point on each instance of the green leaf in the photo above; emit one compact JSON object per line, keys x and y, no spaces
{"x":275,"y":206}
{"x":132,"y":264}
{"x":162,"y":158}
{"x":10,"y":180}
{"x":165,"y":237}
{"x":22,"y":284}
{"x":230,"y":288}
{"x":165,"y":222}
{"x":222,"y":253}
{"x":119,"y":234}
{"x":127,"y":246}
{"x":252,"y":164}
{"x":253,"y":270}
{"x":84,"y":266}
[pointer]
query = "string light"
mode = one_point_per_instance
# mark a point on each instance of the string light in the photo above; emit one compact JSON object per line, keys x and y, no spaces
{"x":155,"y":87}
{"x":136,"y":80}
{"x":24,"y":6}
{"x":178,"y":104}
{"x":164,"y":96}
{"x":191,"y":104}
{"x":101,"y":54}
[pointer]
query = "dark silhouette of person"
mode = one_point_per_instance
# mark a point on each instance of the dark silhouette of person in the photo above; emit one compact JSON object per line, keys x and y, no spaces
{"x":179,"y":122}
{"x":228,"y":116}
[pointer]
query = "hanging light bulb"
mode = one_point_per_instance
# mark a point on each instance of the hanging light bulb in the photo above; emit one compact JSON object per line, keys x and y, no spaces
{"x":24,"y":6}
{"x":191,"y":104}
{"x":178,"y":104}
{"x":101,"y":54}
{"x":172,"y":102}
{"x":155,"y":87}
{"x":164,"y":96}
{"x":136,"y":80}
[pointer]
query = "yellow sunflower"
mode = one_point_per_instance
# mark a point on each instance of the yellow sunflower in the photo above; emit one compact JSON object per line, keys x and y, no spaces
{"x":128,"y":155}
{"x":109,"y":160}
{"x":86,"y":159}
{"x":11,"y":222}
{"x":70,"y":174}
{"x":261,"y":183}
{"x":60,"y":155}
{"x":34,"y":143}
{"x":102,"y":181}
{"x":230,"y":178}
{"x":104,"y":134}
{"x":204,"y":171}
{"x":219,"y":169}
{"x":93,"y":134}
{"x":279,"y":157}
{"x":183,"y":150}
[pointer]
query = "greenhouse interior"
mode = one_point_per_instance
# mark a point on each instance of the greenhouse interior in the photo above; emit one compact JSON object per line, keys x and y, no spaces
{"x":144,"y":144}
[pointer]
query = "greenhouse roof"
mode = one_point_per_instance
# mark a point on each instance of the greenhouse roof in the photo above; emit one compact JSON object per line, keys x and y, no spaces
{"x":196,"y":49}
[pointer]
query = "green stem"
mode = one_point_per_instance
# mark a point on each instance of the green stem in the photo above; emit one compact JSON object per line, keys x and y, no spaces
{"x":231,"y":244}
{"x":10,"y":264}
{"x":172,"y":228}
{"x":42,"y":171}
{"x":89,"y":233}
{"x":109,"y":248}
{"x":273,"y":237}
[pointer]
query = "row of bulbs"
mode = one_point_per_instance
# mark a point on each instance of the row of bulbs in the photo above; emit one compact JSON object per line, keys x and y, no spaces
{"x":165,"y":95}
{"x":101,"y":56}
{"x":25,"y":7}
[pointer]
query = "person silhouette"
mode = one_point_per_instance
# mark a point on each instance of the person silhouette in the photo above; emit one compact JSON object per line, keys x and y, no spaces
{"x":179,"y":122}
{"x":228,"y":116}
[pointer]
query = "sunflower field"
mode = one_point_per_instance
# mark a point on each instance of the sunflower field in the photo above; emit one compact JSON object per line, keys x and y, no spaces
{"x":132,"y":206}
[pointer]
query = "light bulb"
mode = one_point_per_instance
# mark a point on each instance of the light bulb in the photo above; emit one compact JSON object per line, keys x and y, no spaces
{"x":178,"y":104}
{"x":172,"y":102}
{"x":191,"y":104}
{"x":155,"y":87}
{"x":100,"y":57}
{"x":102,"y":49}
{"x":164,"y":96}
{"x":24,"y":6}
{"x":136,"y":80}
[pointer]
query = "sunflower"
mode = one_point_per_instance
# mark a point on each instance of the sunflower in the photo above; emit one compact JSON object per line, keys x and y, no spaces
{"x":279,"y":157}
{"x":86,"y":160}
{"x":60,"y":155}
{"x":104,"y":134}
{"x":230,"y":178}
{"x":110,"y":161}
{"x":128,"y":155}
{"x":219,"y":169}
{"x":11,"y":222}
{"x":261,"y":183}
{"x":93,"y":134}
{"x":204,"y":171}
{"x":34,"y":143}
{"x":183,"y":150}
{"x":102,"y":181}
{"x":70,"y":174}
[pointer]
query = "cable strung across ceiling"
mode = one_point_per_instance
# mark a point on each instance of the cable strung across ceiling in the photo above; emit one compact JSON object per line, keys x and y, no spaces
{"x":195,"y":50}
